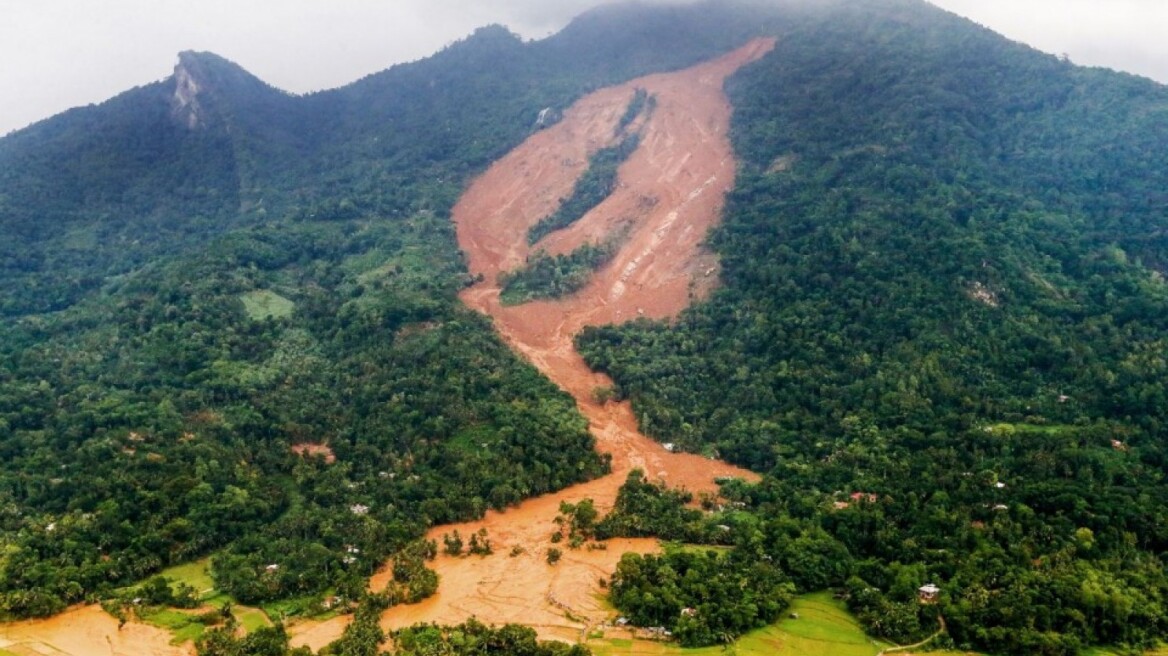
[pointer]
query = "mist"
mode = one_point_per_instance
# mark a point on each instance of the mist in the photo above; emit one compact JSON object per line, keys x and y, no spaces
{"x":65,"y":53}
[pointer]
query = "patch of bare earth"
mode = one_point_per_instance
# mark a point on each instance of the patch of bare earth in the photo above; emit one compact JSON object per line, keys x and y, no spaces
{"x":311,"y":450}
{"x":670,"y":191}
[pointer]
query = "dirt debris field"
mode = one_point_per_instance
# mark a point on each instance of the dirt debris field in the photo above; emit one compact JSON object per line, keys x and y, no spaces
{"x":671,"y":191}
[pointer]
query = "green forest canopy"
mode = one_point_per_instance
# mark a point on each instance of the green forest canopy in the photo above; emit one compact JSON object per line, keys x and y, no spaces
{"x":943,"y":294}
{"x":943,"y":268}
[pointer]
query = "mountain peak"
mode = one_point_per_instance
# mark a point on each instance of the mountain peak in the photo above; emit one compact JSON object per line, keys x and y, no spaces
{"x":184,"y":104}
{"x":198,"y":74}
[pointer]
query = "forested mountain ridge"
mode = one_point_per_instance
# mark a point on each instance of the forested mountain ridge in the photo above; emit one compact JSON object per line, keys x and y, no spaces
{"x":942,"y":290}
{"x":198,"y":276}
{"x":134,"y":176}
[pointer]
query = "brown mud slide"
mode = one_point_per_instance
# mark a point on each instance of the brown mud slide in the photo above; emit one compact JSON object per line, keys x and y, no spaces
{"x":670,"y":192}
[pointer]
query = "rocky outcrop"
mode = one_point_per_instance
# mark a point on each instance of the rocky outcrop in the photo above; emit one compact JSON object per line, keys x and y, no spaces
{"x":184,"y":104}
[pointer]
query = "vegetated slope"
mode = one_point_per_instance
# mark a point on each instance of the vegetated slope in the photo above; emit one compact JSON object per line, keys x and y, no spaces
{"x":103,"y":190}
{"x":944,"y":292}
{"x":941,"y":295}
{"x":152,"y":421}
{"x":151,"y":412}
{"x":684,"y":164}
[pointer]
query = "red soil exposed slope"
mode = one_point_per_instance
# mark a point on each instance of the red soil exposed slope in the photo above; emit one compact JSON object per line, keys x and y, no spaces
{"x":671,"y":190}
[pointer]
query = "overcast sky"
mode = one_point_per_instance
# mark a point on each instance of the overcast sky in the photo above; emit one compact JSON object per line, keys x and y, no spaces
{"x":59,"y":54}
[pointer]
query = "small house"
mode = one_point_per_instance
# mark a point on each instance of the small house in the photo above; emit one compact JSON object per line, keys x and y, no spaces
{"x":928,"y":593}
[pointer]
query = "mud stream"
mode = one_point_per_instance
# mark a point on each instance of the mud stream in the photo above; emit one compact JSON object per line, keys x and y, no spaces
{"x":671,"y":191}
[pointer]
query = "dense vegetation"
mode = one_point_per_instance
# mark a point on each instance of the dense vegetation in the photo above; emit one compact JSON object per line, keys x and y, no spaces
{"x":941,"y":335}
{"x":647,"y":509}
{"x":473,"y":638}
{"x":698,"y":596}
{"x":642,"y":103}
{"x":553,"y":276}
{"x":944,"y":293}
{"x":229,"y":326}
{"x":701,"y":598}
{"x":162,"y":425}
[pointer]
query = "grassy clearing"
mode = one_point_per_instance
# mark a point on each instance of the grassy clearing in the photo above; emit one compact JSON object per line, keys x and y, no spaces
{"x":184,"y":626}
{"x":957,"y":652}
{"x":1028,"y":429}
{"x":824,"y":628}
{"x":196,"y":574}
{"x":263,"y":304}
{"x":473,"y":439}
{"x":368,"y":266}
{"x":1092,"y":651}
{"x":375,"y":265}
{"x":297,"y":607}
{"x":251,"y":618}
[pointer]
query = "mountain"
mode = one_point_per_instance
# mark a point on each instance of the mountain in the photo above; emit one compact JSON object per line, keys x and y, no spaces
{"x":160,"y":168}
{"x":943,"y":270}
{"x":231,"y":328}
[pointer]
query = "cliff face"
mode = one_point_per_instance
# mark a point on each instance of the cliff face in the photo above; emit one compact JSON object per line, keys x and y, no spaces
{"x":185,"y":107}
{"x":208,"y":89}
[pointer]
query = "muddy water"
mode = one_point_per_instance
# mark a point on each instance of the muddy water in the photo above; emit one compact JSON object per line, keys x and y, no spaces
{"x":87,"y":631}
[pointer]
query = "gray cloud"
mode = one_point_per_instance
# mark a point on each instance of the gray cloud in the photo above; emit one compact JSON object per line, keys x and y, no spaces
{"x":63,"y":53}
{"x":1122,"y":34}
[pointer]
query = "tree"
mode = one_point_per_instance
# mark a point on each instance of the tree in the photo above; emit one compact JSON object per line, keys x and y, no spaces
{"x":453,"y":543}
